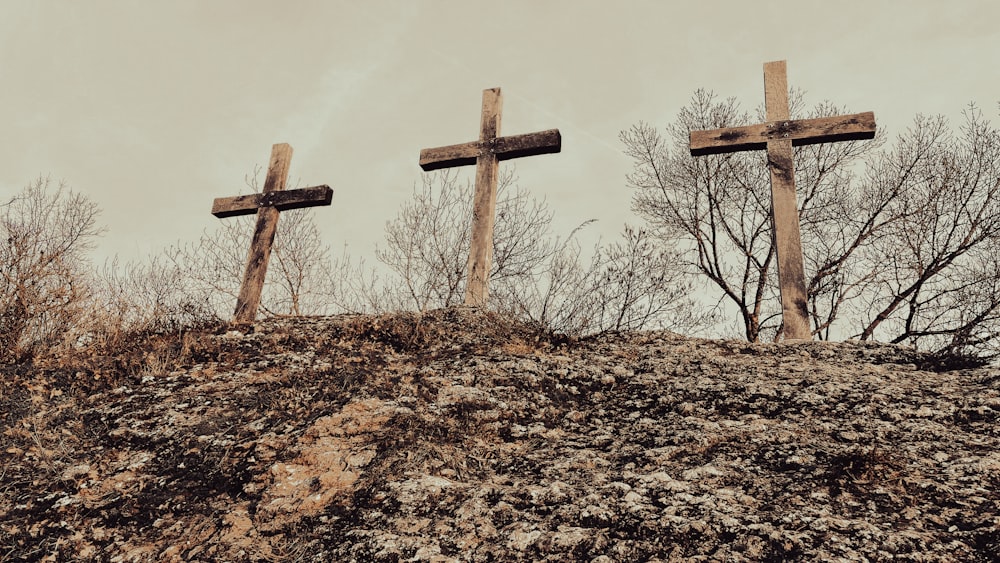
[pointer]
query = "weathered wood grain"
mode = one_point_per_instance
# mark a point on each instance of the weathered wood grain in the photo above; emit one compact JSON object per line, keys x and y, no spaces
{"x":854,"y":127}
{"x":282,"y":201}
{"x":528,"y":144}
{"x":263,"y":237}
{"x":785,"y":211}
{"x":788,"y":241}
{"x":484,"y":203}
{"x":448,"y":157}
{"x":505,"y":148}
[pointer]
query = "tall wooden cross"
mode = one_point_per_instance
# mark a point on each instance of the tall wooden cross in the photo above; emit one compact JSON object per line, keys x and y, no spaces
{"x":778,"y":135}
{"x":267,"y":206}
{"x":485,"y":154}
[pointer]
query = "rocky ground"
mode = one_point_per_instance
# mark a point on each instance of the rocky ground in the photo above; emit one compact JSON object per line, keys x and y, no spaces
{"x":461,"y":436}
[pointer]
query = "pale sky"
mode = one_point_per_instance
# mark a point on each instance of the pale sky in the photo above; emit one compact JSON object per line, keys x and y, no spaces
{"x":153,"y":109}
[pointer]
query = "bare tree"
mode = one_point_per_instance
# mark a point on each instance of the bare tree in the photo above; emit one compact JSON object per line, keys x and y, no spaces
{"x":938,"y":264}
{"x":719,"y":207}
{"x":45,"y":234}
{"x":900,"y":243}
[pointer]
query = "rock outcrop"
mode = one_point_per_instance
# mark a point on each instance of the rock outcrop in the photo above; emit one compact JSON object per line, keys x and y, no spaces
{"x":462,"y":436}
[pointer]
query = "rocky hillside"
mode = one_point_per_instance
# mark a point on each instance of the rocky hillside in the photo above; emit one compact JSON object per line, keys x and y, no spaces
{"x":461,"y":436}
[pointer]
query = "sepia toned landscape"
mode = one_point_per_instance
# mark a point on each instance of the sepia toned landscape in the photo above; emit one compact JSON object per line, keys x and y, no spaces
{"x":709,"y":282}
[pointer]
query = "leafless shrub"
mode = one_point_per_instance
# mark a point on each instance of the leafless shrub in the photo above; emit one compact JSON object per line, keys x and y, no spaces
{"x":427,"y":245}
{"x":558,"y":295}
{"x":45,"y":234}
{"x":535,"y":276}
{"x":641,"y":286}
{"x":140,"y":297}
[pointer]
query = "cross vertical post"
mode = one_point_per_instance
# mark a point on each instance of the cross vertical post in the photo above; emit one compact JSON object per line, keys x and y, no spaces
{"x":484,"y":203}
{"x":267,"y":205}
{"x":785,"y":211}
{"x":778,"y":135}
{"x":486,"y":153}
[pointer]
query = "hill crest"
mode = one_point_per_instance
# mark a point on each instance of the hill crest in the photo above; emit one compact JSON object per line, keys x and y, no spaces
{"x":464,"y":436}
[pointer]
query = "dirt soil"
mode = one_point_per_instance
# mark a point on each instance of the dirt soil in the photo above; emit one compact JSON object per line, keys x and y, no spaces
{"x":463,"y":436}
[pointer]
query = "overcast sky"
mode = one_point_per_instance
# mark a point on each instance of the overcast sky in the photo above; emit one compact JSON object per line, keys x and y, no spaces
{"x":153,"y":109}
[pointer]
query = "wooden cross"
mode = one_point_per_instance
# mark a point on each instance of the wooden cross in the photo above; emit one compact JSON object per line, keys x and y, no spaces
{"x":485,"y":154}
{"x":778,"y":135}
{"x":267,"y":206}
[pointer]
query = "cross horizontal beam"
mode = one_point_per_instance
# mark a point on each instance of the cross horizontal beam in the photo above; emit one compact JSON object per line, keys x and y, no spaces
{"x":854,"y":127}
{"x":505,"y":148}
{"x":282,"y":201}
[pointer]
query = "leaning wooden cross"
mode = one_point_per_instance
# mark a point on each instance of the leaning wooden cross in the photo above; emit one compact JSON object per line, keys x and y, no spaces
{"x":267,"y":206}
{"x":778,"y":136}
{"x":485,"y":154}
